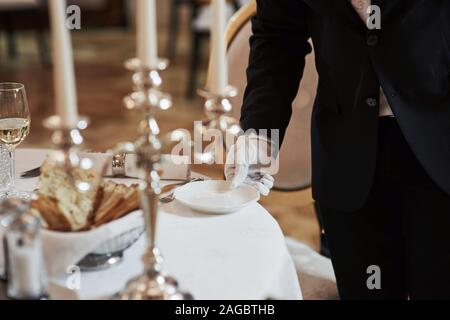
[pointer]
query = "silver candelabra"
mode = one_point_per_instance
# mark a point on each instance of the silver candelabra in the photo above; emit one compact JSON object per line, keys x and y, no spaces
{"x":147,"y":98}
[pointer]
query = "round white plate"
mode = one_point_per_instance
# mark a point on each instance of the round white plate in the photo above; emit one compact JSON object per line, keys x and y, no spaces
{"x":215,"y":196}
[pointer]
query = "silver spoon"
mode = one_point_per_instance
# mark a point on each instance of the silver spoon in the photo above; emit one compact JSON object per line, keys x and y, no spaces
{"x":171,"y":196}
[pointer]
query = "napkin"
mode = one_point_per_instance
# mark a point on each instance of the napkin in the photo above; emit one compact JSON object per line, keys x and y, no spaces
{"x":173,"y":167}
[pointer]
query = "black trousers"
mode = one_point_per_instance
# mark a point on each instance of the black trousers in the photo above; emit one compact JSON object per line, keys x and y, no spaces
{"x":397,"y":246}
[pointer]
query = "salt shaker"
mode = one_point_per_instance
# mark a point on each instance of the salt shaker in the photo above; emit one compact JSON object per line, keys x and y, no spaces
{"x":9,"y":209}
{"x":25,"y":266}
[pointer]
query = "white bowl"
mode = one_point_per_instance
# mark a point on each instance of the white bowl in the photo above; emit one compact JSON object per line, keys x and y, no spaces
{"x":216,"y":196}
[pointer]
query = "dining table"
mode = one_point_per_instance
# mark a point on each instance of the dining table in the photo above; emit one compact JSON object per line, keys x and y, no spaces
{"x":241,"y":255}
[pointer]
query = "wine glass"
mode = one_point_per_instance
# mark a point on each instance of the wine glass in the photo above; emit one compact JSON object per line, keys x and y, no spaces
{"x":14,"y":127}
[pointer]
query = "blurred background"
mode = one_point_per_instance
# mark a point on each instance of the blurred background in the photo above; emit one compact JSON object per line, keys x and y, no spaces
{"x":105,"y":40}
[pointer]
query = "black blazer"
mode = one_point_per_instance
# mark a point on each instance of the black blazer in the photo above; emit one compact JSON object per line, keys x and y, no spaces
{"x":409,"y":57}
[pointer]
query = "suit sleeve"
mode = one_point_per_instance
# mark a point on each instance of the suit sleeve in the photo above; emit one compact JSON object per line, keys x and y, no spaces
{"x":278,"y":48}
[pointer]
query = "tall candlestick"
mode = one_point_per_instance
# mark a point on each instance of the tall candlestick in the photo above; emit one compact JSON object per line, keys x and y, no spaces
{"x":218,"y":79}
{"x":147,"y":46}
{"x":63,"y":73}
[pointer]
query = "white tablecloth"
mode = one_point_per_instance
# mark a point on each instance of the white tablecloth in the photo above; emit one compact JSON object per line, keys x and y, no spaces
{"x":236,"y":256}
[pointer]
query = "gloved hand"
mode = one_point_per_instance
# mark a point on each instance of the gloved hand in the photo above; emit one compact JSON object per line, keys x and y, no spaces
{"x":243,"y":163}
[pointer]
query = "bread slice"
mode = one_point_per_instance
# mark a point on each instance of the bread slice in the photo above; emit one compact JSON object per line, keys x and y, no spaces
{"x":47,"y":209}
{"x":129,"y":203}
{"x":63,"y":208}
{"x":76,"y":207}
{"x":118,"y":201}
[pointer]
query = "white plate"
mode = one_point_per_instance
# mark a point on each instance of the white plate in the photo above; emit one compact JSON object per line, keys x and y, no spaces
{"x":215,"y":196}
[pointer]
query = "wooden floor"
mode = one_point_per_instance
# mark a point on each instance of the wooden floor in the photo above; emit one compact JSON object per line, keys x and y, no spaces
{"x":102,"y":82}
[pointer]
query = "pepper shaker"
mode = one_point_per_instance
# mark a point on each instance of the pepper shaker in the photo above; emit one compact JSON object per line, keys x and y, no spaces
{"x":25,"y":266}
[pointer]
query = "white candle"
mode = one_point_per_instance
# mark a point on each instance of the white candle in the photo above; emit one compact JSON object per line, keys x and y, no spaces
{"x":63,"y":73}
{"x":218,"y":78}
{"x":147,"y":46}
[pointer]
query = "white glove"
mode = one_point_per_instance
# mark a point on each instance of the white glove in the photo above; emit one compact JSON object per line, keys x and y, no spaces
{"x":243,"y":164}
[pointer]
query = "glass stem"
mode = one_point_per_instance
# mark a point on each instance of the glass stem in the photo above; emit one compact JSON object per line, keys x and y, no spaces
{"x":12,"y":170}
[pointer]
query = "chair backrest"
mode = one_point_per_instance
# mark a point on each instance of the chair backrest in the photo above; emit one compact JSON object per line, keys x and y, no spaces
{"x":295,"y":153}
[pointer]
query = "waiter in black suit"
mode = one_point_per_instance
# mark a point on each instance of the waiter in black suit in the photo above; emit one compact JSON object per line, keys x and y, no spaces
{"x":380,"y":133}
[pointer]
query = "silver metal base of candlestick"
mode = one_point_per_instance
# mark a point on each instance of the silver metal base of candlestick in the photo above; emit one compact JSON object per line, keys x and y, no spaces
{"x":153,"y":284}
{"x":154,"y":287}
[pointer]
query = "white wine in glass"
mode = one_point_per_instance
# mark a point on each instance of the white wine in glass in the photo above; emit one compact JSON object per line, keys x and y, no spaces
{"x":14,"y":126}
{"x":13,"y":131}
